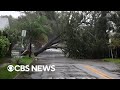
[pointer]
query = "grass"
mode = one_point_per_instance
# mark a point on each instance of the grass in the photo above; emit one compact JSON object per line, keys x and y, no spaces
{"x":112,"y":60}
{"x":26,"y":60}
{"x":5,"y":74}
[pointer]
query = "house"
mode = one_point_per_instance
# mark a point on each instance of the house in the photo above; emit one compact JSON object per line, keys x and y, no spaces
{"x":4,"y":23}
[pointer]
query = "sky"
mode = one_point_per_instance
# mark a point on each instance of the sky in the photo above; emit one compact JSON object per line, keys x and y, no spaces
{"x":15,"y":14}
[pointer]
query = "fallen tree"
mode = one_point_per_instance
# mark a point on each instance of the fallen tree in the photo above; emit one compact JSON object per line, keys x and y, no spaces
{"x":53,"y":41}
{"x":59,"y":33}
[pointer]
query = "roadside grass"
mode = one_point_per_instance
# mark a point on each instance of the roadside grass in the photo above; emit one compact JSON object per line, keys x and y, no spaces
{"x":112,"y":60}
{"x":26,"y":60}
{"x":5,"y":74}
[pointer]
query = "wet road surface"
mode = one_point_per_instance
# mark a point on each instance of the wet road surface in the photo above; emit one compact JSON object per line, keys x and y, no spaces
{"x":67,"y":68}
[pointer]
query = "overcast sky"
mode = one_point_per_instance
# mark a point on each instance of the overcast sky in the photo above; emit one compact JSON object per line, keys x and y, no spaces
{"x":13,"y":13}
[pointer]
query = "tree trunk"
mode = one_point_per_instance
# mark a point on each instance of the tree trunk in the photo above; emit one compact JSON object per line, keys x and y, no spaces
{"x":116,"y":53}
{"x":56,"y":47}
{"x":30,"y":52}
{"x":9,"y":51}
{"x":51,"y":42}
{"x":112,"y":53}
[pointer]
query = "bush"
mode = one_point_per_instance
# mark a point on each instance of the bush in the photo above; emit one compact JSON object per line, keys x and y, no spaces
{"x":4,"y":45}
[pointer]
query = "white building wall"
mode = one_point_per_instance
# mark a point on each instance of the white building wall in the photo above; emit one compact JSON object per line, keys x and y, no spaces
{"x":4,"y":22}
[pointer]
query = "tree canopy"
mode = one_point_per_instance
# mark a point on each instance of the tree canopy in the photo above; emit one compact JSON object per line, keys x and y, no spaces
{"x":84,"y":34}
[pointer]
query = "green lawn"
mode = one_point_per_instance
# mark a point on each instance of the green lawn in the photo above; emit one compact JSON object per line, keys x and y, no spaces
{"x":5,"y":74}
{"x":112,"y":60}
{"x":26,"y":60}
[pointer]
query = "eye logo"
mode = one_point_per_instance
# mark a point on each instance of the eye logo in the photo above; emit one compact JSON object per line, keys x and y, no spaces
{"x":10,"y":68}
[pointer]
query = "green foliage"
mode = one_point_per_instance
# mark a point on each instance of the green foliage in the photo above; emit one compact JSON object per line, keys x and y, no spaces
{"x":115,"y":43}
{"x":88,"y":41}
{"x":0,"y":33}
{"x":37,"y":27}
{"x":112,"y":60}
{"x":35,"y":24}
{"x":26,"y":60}
{"x":4,"y":45}
{"x":115,"y":40}
{"x":5,"y":74}
{"x":84,"y":33}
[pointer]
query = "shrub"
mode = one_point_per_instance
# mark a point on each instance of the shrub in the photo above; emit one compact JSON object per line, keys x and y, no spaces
{"x":4,"y":44}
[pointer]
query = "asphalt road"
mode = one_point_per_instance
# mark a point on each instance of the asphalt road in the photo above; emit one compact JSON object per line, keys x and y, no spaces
{"x":67,"y":68}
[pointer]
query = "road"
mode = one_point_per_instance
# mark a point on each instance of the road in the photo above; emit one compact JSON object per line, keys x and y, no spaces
{"x":67,"y":68}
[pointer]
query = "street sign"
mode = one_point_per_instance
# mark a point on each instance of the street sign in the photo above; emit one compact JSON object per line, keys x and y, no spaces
{"x":23,"y":33}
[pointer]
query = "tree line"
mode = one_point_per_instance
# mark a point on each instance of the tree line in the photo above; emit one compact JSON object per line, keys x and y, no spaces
{"x":83,"y":34}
